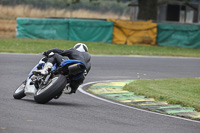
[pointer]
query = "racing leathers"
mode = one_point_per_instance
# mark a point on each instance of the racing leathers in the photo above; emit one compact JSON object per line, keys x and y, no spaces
{"x":59,"y":55}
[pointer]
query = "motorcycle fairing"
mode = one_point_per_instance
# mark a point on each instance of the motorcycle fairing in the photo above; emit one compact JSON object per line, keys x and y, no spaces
{"x":67,"y":62}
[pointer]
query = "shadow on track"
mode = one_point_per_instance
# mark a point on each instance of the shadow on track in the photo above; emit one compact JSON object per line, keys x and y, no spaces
{"x":55,"y":103}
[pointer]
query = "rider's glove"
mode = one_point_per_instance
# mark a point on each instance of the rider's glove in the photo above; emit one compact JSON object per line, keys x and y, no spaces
{"x":48,"y":55}
{"x":45,"y":53}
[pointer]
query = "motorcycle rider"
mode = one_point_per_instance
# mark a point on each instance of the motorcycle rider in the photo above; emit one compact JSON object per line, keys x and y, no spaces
{"x":78,"y":52}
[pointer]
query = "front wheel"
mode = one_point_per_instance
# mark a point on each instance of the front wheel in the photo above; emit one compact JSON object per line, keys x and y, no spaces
{"x":19,"y":92}
{"x":52,"y":89}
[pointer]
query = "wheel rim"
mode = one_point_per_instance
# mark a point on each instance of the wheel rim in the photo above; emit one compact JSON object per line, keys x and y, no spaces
{"x":47,"y":87}
{"x":20,"y":88}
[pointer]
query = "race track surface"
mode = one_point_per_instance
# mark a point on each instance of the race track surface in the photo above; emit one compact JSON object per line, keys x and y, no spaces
{"x":81,"y":113}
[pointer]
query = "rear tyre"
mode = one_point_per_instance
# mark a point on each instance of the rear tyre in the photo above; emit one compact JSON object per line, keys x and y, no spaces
{"x":19,"y":92}
{"x":51,"y":90}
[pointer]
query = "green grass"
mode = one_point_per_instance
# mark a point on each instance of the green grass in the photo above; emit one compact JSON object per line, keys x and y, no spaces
{"x":183,"y":91}
{"x":96,"y":48}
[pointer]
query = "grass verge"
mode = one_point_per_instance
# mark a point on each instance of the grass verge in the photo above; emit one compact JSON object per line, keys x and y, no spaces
{"x":183,"y":91}
{"x":96,"y":48}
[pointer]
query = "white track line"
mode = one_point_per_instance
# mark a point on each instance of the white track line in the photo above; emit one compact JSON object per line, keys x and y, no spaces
{"x":123,"y":105}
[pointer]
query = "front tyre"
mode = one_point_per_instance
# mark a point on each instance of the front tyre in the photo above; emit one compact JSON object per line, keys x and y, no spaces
{"x":19,"y":92}
{"x":51,"y":90}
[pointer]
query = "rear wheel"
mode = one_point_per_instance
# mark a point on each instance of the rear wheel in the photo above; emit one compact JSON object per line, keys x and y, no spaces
{"x":53,"y":88}
{"x":19,"y":92}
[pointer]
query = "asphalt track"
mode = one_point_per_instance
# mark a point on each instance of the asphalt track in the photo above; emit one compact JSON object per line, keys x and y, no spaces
{"x":80,"y":112}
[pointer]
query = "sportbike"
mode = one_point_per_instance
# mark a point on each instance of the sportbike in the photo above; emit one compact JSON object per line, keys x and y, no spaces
{"x":51,"y":86}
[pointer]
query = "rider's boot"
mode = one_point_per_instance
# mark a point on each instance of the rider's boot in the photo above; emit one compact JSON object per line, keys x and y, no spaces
{"x":45,"y":69}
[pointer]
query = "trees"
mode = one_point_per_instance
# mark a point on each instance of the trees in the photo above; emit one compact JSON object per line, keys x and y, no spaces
{"x":147,"y":9}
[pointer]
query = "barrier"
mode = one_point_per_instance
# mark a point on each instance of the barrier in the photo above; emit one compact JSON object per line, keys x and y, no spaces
{"x":187,"y":36}
{"x":134,"y":32}
{"x":65,"y":29}
{"x":115,"y":31}
{"x":42,"y":28}
{"x":90,"y":30}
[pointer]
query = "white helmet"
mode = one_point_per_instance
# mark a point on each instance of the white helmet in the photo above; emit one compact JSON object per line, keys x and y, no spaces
{"x":81,"y":47}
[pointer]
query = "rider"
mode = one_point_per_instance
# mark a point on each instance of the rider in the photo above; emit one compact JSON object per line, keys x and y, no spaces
{"x":78,"y":52}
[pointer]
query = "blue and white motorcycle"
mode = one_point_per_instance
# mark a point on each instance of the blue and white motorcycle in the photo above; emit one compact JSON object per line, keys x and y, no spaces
{"x":46,"y":87}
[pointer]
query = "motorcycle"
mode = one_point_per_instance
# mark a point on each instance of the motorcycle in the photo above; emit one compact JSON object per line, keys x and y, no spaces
{"x":46,"y":87}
